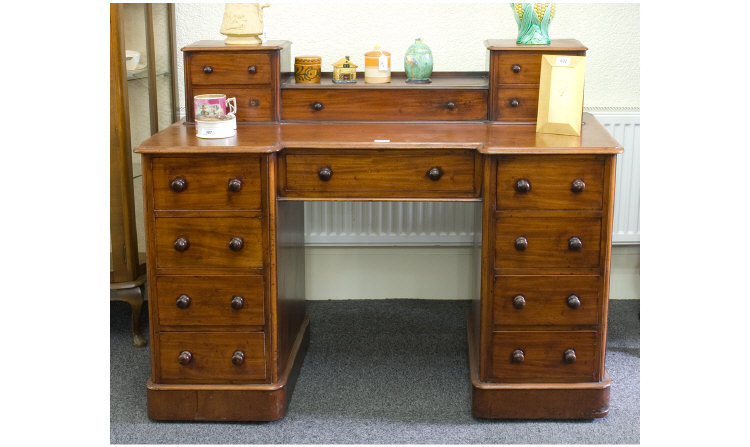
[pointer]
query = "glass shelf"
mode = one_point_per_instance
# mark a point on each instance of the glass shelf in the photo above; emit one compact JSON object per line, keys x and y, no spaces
{"x":143,"y":74}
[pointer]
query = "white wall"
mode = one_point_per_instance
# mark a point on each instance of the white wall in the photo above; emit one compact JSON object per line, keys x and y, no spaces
{"x":455,"y":32}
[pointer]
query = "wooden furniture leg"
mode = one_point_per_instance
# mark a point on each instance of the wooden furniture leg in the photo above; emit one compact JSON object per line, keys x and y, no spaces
{"x":132,"y":292}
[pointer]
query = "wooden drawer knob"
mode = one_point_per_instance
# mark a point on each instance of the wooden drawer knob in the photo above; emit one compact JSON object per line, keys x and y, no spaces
{"x":523,"y":185}
{"x":569,"y":356}
{"x":519,"y":301}
{"x":254,"y":102}
{"x":575,"y":243}
{"x":235,"y":185}
{"x":252,"y":69}
{"x":521,"y":243}
{"x":237,"y":302}
{"x":516,"y":68}
{"x":208,"y":69}
{"x":236,"y":244}
{"x":450,"y":105}
{"x":185,"y":357}
{"x":181,"y":244}
{"x":435,"y":173}
{"x":325,"y":173}
{"x":514,"y":102}
{"x":238,"y":358}
{"x":178,"y":185}
{"x":574,"y":302}
{"x":578,"y":185}
{"x":183,"y":301}
{"x":517,"y":356}
{"x":317,"y":106}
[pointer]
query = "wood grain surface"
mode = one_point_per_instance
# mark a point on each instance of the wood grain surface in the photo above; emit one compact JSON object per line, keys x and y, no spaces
{"x":207,"y":180}
{"x":230,"y":68}
{"x":545,"y":301}
{"x":487,"y":138}
{"x":212,"y":357}
{"x":550,"y":179}
{"x":209,"y":242}
{"x":384,"y":105}
{"x":210,"y":301}
{"x":543,"y":356}
{"x":383,"y":173}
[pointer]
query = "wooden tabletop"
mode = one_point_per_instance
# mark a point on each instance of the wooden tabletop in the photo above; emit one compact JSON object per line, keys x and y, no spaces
{"x":554,"y":45}
{"x":219,"y":45}
{"x":487,"y":138}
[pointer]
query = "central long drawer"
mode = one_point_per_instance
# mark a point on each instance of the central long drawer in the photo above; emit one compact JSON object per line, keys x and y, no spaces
{"x":380,"y":173}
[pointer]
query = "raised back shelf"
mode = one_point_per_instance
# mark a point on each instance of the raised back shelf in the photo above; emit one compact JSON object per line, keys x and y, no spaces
{"x":440,"y":80}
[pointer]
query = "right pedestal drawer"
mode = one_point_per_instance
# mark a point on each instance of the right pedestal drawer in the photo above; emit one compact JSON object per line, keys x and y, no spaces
{"x":538,"y":182}
{"x":567,"y":300}
{"x":545,"y":356}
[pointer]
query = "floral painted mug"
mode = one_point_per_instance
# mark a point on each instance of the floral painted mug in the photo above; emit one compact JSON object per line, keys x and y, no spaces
{"x":213,"y":106}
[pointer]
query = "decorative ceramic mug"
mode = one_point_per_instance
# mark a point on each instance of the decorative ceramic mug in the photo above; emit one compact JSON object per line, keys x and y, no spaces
{"x":213,"y":106}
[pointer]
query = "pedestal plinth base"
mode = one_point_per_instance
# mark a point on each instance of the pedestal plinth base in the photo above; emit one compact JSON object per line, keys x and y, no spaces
{"x":217,"y":402}
{"x":585,"y":400}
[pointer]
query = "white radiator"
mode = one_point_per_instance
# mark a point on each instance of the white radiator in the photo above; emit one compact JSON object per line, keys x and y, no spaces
{"x":452,"y":223}
{"x":625,"y":126}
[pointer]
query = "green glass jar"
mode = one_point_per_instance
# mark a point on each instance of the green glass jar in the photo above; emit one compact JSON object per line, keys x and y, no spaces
{"x":418,"y":63}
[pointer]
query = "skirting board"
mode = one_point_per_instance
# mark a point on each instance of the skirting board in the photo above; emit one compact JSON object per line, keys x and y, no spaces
{"x":337,"y":273}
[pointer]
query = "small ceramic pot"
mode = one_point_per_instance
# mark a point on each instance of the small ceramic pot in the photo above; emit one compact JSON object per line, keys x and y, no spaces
{"x":377,"y":66}
{"x":307,"y":69}
{"x":223,"y":127}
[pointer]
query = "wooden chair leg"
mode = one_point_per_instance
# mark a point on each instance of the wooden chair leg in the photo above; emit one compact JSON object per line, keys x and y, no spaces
{"x":134,"y":297}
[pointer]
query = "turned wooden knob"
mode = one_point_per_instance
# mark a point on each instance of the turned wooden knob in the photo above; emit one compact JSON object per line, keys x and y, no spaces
{"x":325,"y":173}
{"x":435,"y":173}
{"x":178,"y":185}
{"x":516,"y":68}
{"x":238,"y":358}
{"x":208,"y":69}
{"x":569,"y":356}
{"x":236,"y":244}
{"x":578,"y":185}
{"x":575,"y":243}
{"x":237,"y":302}
{"x":450,"y":105}
{"x":183,"y":301}
{"x":317,"y":106}
{"x":521,"y":243}
{"x":523,"y":185}
{"x":252,"y":69}
{"x":254,"y":102}
{"x":514,"y":102}
{"x":181,"y":244}
{"x":517,"y":356}
{"x":185,"y":357}
{"x":519,"y":302}
{"x":235,"y":185}
{"x":574,"y":302}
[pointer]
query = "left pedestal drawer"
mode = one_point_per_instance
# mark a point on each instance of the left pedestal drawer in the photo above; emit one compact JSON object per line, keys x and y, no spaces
{"x":207,"y":183}
{"x":186,"y":301}
{"x":208,"y":242}
{"x":211,"y":357}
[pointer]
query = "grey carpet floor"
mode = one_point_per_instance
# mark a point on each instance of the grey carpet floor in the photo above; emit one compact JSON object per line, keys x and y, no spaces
{"x":381,"y":372}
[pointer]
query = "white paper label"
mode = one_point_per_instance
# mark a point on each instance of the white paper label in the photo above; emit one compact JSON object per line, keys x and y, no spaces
{"x":382,"y":141}
{"x":383,"y":63}
{"x":562,"y":60}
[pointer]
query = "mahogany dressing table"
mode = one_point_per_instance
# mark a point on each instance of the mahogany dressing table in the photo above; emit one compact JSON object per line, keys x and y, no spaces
{"x":225,"y":243}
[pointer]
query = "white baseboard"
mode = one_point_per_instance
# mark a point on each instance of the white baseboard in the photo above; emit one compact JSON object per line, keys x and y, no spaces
{"x":338,"y":273}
